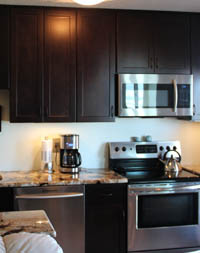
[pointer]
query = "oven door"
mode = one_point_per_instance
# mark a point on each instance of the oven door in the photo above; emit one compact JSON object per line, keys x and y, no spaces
{"x":163,"y":216}
{"x":155,"y":95}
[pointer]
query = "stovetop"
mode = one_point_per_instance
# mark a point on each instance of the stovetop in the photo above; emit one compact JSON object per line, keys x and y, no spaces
{"x":144,"y":176}
{"x":141,"y":162}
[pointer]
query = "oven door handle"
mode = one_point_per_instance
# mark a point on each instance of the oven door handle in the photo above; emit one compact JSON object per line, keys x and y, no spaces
{"x":147,"y":190}
{"x":175,"y":95}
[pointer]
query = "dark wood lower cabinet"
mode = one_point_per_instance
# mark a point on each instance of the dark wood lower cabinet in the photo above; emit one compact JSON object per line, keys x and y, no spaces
{"x":7,"y":199}
{"x":105,"y":218}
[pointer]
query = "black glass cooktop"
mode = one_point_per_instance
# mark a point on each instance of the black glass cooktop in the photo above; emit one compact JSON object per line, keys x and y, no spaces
{"x":149,"y":170}
{"x":146,"y":176}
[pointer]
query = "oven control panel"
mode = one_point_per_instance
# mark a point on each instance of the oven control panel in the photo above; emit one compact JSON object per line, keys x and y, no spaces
{"x":136,"y":150}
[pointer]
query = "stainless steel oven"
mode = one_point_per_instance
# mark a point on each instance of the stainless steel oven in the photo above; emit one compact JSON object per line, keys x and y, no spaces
{"x":152,"y":95}
{"x":163,"y":209}
{"x":163,"y":216}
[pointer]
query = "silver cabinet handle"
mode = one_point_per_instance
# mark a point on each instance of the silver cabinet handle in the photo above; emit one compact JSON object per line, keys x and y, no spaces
{"x":175,"y":95}
{"x":50,"y":196}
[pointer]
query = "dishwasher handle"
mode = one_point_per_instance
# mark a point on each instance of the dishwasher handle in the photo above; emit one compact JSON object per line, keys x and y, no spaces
{"x":50,"y":195}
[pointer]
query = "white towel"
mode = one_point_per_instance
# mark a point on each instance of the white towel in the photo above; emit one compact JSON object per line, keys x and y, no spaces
{"x":2,"y":246}
{"x":29,"y":243}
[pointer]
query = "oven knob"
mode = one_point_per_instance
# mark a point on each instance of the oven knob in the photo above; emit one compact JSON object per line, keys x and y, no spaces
{"x":124,"y":149}
{"x":167,"y":148}
{"x":116,"y":149}
{"x":161,"y":148}
{"x":174,"y":148}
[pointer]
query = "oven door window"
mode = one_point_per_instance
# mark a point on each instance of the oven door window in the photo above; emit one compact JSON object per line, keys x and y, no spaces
{"x":147,"y":95}
{"x":166,"y":210}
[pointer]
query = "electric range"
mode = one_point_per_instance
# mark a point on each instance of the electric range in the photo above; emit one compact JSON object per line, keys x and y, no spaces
{"x":163,"y":210}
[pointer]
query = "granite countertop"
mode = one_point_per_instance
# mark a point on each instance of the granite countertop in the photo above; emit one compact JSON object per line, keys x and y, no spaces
{"x":25,"y":221}
{"x":38,"y":178}
{"x":193,"y":168}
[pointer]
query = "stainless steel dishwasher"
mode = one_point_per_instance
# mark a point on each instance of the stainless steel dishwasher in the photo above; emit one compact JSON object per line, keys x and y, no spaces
{"x":64,"y":206}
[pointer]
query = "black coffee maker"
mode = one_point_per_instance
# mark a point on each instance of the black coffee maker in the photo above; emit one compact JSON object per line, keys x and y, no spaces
{"x":70,"y":158}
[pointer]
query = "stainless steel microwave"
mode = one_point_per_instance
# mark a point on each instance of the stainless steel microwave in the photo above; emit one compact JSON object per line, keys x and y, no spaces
{"x":153,"y":95}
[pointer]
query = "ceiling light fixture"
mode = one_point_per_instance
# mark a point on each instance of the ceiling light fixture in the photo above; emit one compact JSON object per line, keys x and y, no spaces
{"x":88,"y":2}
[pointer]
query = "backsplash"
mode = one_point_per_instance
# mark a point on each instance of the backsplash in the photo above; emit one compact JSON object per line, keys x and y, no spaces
{"x":20,"y":143}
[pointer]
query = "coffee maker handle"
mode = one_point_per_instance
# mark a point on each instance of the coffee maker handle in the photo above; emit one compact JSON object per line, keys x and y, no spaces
{"x":79,"y":158}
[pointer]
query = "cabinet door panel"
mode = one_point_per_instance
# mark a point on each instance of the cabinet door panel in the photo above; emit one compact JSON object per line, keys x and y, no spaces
{"x":172,"y":43}
{"x":96,"y":51}
{"x":195,"y":53}
{"x":27,"y":66}
{"x":4,"y":48}
{"x":134,"y":43}
{"x":108,"y":237}
{"x":60,"y":46}
{"x":105,"y":218}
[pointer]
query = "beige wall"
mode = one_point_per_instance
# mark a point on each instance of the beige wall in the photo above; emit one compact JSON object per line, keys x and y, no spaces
{"x":20,"y":144}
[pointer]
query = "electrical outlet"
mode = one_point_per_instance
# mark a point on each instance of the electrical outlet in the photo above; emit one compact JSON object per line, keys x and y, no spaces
{"x":56,"y":145}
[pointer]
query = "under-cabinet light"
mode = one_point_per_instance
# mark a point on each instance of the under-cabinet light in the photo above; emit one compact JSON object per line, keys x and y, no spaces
{"x":88,"y":2}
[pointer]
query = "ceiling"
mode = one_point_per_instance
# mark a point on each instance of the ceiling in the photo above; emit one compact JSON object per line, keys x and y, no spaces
{"x":171,"y":5}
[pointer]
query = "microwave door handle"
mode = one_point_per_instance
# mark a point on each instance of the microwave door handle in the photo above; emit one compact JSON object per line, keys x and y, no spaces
{"x":175,"y":95}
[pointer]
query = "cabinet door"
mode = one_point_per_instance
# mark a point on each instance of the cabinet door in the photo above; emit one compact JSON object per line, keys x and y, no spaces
{"x":105,"y":215}
{"x":96,"y":58}
{"x":60,"y":46}
{"x":172,"y":51}
{"x":27,"y":66}
{"x":7,"y":199}
{"x":195,"y":53}
{"x":4,"y":48}
{"x":134,"y":42}
{"x":104,"y":229}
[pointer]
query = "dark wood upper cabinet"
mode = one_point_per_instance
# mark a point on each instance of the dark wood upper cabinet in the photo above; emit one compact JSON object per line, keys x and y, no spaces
{"x":153,"y":42}
{"x":171,"y":40}
{"x":195,"y":53}
{"x":4,"y":48}
{"x":60,"y":65}
{"x":63,"y":60}
{"x":26,"y":64}
{"x":134,"y":42}
{"x":96,"y":65}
